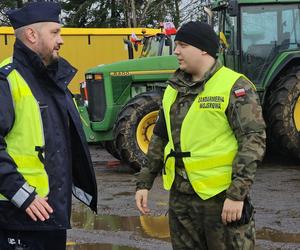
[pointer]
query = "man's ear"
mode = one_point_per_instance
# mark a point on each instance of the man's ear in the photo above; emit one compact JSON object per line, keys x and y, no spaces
{"x":31,"y":35}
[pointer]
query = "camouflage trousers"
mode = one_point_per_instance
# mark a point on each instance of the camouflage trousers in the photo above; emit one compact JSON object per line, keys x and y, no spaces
{"x":196,"y":224}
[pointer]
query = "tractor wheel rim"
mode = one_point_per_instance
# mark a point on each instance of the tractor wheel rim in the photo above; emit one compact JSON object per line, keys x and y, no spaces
{"x":297,"y":114}
{"x":145,"y":130}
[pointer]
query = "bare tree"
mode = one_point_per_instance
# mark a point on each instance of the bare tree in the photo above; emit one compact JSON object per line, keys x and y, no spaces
{"x":133,"y":13}
{"x":120,"y":13}
{"x":5,"y":5}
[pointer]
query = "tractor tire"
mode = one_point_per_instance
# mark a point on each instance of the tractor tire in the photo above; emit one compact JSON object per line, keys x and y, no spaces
{"x":111,"y":148}
{"x":282,"y":115}
{"x":134,"y":128}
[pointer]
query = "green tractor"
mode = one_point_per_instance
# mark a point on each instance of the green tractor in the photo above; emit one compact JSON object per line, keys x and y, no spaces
{"x":259,"y":38}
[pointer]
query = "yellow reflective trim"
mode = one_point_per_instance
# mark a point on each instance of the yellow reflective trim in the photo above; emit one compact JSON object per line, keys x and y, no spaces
{"x":195,"y":164}
{"x":215,"y":181}
{"x":211,"y":186}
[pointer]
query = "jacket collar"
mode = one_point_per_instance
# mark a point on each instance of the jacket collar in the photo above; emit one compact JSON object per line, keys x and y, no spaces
{"x":27,"y":57}
{"x":180,"y":78}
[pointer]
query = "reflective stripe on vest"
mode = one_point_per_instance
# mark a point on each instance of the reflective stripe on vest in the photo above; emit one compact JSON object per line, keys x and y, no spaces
{"x":206,"y":134}
{"x":26,"y":134}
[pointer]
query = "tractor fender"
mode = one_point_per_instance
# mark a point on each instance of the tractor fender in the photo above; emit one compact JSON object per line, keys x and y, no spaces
{"x":283,"y":62}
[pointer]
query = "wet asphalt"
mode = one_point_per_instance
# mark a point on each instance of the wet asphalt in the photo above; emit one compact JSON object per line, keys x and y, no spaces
{"x":119,"y":226}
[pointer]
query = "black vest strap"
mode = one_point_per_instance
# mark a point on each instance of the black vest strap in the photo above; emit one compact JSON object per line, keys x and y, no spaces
{"x":177,"y":155}
{"x":40,"y":151}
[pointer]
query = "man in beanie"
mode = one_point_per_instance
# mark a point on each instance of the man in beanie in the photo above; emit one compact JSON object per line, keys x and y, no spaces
{"x":43,"y":153}
{"x":208,"y":140}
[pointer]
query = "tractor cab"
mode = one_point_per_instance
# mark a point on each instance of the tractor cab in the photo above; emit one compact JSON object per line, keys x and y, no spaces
{"x":257,"y":34}
{"x":160,"y":44}
{"x":261,"y":39}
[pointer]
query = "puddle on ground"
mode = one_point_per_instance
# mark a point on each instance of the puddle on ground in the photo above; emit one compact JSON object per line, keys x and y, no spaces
{"x":148,"y":226}
{"x":270,"y":234}
{"x":153,"y":227}
{"x":98,"y":246}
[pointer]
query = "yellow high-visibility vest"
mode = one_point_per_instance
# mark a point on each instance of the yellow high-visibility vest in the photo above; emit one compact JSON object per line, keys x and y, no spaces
{"x":26,"y":134}
{"x":206,"y":134}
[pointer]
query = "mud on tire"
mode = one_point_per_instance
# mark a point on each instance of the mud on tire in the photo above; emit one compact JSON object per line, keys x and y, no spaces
{"x":127,"y":124}
{"x":280,"y":114}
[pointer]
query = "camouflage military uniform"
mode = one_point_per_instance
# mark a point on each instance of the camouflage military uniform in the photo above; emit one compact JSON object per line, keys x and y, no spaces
{"x":196,"y":223}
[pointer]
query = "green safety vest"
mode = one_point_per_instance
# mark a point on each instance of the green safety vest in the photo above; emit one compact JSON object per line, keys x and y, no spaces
{"x":26,"y":134}
{"x":205,"y":135}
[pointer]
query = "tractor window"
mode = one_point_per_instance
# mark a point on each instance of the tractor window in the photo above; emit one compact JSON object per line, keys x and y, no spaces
{"x":168,"y":46}
{"x":291,"y":28}
{"x":158,"y":45}
{"x":266,"y":31}
{"x":151,"y":46}
{"x":228,"y":39}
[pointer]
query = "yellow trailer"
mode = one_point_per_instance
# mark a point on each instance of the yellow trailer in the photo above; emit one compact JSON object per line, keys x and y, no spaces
{"x":84,"y":47}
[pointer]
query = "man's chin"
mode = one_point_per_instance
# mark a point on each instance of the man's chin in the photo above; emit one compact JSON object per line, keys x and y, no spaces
{"x":182,"y":67}
{"x":55,"y":58}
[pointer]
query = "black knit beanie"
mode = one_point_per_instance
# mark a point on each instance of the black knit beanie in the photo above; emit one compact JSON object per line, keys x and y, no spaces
{"x":200,"y":35}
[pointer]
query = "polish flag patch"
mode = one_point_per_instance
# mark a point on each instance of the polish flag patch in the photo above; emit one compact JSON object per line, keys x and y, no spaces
{"x":240,"y":92}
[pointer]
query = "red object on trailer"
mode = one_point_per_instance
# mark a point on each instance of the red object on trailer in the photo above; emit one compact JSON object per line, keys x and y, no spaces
{"x":169,"y":28}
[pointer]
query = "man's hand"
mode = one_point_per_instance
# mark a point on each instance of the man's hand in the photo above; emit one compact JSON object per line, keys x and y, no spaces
{"x":141,"y":198}
{"x":232,"y":211}
{"x":39,"y":209}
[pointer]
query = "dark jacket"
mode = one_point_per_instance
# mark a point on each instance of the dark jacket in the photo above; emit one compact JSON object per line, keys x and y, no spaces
{"x":67,"y":158}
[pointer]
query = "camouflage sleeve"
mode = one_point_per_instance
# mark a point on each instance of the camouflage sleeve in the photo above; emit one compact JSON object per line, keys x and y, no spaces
{"x":245,"y":118}
{"x":154,"y":163}
{"x":155,"y":156}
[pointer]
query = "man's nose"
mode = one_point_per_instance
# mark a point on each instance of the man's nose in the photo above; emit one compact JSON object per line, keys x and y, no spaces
{"x":60,"y":40}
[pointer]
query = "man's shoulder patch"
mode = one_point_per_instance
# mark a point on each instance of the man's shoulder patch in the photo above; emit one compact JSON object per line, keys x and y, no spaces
{"x":239,"y":92}
{"x":5,"y":70}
